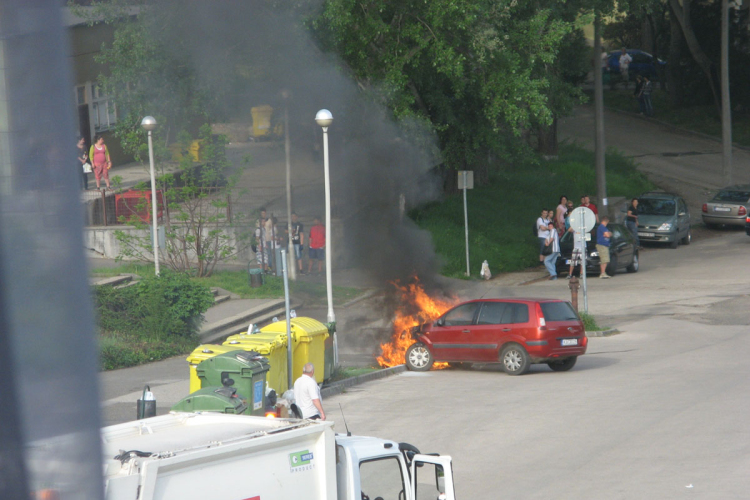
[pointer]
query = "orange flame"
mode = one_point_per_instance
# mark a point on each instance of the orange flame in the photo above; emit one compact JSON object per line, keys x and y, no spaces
{"x":413,"y":297}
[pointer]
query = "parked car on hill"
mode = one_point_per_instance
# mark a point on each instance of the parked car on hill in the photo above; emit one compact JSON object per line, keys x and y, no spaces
{"x":514,"y":332}
{"x":623,"y":252}
{"x":643,"y":63}
{"x":730,"y":206}
{"x":663,"y":218}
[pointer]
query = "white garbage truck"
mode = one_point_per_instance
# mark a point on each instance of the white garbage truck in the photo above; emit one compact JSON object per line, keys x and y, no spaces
{"x":213,"y":456}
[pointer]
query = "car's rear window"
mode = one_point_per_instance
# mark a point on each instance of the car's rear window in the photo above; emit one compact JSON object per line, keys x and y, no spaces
{"x":558,"y":311}
{"x":735,"y":196}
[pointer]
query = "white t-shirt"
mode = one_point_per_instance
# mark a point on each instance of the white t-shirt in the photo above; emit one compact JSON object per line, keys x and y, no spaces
{"x":625,"y":60}
{"x":555,"y":242}
{"x":305,"y":390}
{"x":542,"y":233}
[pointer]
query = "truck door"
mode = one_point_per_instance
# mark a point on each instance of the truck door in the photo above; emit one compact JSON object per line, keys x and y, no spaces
{"x":432,"y":478}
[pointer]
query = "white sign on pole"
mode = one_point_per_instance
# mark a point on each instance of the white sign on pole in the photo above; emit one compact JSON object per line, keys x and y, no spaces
{"x":582,"y":218}
{"x":465,"y":179}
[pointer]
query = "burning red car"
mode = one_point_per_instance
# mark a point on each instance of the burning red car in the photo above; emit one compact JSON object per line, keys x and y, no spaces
{"x":514,"y":332}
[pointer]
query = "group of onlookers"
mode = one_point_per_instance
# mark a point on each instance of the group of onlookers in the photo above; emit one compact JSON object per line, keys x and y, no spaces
{"x":269,"y":237}
{"x":551,"y":226}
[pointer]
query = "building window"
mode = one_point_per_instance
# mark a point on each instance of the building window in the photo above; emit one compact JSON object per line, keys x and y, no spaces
{"x":81,"y":94}
{"x":102,"y":110}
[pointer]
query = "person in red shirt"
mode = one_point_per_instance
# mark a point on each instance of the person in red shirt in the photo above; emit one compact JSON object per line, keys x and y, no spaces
{"x":317,"y":245}
{"x":586,"y":202}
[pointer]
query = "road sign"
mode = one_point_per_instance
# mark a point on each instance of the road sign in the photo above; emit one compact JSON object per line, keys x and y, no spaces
{"x":465,"y":179}
{"x":582,"y":219}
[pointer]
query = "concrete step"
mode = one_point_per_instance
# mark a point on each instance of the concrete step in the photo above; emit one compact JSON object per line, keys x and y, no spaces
{"x":224,"y":327}
{"x":218,"y":299}
{"x":126,"y":284}
{"x":218,"y":336}
{"x":111,"y":281}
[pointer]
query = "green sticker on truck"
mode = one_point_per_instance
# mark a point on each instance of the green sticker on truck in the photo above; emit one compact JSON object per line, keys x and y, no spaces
{"x":301,"y":461}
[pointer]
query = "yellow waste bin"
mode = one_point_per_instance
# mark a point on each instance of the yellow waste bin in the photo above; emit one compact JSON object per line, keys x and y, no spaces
{"x":308,"y":344}
{"x":202,"y":353}
{"x":261,"y":120}
{"x":270,"y":345}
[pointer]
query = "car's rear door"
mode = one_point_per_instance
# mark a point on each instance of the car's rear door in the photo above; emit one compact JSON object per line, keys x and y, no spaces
{"x":564,"y":328}
{"x":449,"y":339}
{"x":622,"y":243}
{"x":487,"y":334}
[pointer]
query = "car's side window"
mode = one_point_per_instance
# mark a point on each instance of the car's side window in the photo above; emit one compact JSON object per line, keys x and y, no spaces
{"x":462,"y":315}
{"x":616,"y":234}
{"x":516,"y":313}
{"x":682,"y":208}
{"x":491,"y":313}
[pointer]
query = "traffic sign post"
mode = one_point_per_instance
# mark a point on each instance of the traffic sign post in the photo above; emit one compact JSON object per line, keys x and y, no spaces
{"x":582,"y":220}
{"x":466,"y":181}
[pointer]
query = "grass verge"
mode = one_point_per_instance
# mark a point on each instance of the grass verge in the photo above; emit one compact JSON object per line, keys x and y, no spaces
{"x":698,"y":118}
{"x":502,"y":213}
{"x":117,"y":350}
{"x":589,"y":323}
{"x":341,"y":373}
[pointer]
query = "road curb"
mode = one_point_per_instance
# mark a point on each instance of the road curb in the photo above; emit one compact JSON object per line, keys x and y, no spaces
{"x":362,"y":297}
{"x":603,"y":333}
{"x":339,"y":386}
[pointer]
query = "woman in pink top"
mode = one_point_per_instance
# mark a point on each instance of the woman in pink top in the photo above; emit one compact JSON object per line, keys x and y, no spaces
{"x":562,"y":209}
{"x":100,"y":160}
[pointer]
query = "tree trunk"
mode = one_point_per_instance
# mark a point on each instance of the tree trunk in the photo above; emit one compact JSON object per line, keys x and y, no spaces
{"x":682,"y":12}
{"x":546,"y":136}
{"x":674,"y":82}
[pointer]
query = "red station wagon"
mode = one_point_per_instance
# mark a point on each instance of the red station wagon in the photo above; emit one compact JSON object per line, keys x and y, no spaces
{"x":514,"y":332}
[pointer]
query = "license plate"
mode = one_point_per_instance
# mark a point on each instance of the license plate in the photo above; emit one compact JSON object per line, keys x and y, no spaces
{"x":722,"y":209}
{"x":569,"y":342}
{"x":647,"y":235}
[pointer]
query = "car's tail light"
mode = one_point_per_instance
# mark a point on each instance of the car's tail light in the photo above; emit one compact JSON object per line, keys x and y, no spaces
{"x":748,"y":220}
{"x":742,"y":210}
{"x":705,"y":207}
{"x":540,"y":315}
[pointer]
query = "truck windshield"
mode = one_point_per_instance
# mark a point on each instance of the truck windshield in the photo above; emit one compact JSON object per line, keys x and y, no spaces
{"x":382,"y":478}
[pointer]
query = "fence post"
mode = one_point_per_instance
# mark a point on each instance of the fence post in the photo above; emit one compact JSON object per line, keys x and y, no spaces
{"x":229,"y":206}
{"x":104,"y":206}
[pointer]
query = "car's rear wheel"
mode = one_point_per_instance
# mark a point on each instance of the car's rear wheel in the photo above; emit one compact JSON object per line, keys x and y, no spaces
{"x":633,"y":267}
{"x":688,"y":238}
{"x":418,"y":358}
{"x":564,"y":365}
{"x":515,"y":359}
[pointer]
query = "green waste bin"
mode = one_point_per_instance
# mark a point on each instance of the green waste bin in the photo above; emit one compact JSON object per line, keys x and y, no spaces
{"x":256,"y":277}
{"x":216,"y":399}
{"x":243,"y":370}
{"x":269,"y":345}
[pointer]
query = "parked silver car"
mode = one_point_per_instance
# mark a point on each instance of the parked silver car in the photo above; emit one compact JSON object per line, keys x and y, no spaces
{"x":663,"y":218}
{"x":730,"y":206}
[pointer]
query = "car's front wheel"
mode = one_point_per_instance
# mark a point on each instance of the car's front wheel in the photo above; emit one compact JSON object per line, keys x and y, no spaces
{"x":515,"y":359}
{"x":564,"y":365}
{"x":633,"y":267}
{"x":688,"y":238}
{"x":418,"y":358}
{"x":611,"y":268}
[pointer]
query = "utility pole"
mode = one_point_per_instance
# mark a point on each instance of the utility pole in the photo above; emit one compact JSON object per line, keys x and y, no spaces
{"x":601,"y":180}
{"x":726,"y":107}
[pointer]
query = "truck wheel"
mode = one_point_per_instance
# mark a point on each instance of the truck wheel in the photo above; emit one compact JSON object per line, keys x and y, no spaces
{"x":515,"y":360}
{"x":418,"y":358}
{"x":564,"y":365}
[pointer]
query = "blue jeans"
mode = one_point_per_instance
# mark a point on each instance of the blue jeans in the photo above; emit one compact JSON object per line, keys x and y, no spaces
{"x":633,"y":229}
{"x":550,"y":261}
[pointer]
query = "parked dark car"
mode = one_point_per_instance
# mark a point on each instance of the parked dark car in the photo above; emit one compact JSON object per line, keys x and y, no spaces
{"x":514,"y":332}
{"x":642,"y":64}
{"x":729,"y":206}
{"x":663,"y":218}
{"x":623,"y":252}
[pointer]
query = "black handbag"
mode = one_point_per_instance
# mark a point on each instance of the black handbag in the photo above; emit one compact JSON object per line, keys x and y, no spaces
{"x":547,"y":250}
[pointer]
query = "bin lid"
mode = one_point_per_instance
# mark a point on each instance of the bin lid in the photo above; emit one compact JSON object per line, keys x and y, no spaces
{"x":205,"y":351}
{"x":274,"y":339}
{"x":236,"y":361}
{"x":216,"y":399}
{"x":260,"y":346}
{"x":302,"y":328}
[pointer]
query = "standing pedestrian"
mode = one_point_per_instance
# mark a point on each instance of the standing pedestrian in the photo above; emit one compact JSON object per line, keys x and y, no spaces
{"x":648,"y":88}
{"x":562,"y":209}
{"x":550,"y":261}
{"x":84,"y":166}
{"x":307,"y":394}
{"x":603,"y":236}
{"x":542,"y":232}
{"x":317,"y":245}
{"x":298,"y":240}
{"x":631,"y":220}
{"x":100,"y":161}
{"x":625,"y":61}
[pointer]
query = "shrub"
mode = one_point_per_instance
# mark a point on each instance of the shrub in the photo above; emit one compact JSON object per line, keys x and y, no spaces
{"x":156,"y":307}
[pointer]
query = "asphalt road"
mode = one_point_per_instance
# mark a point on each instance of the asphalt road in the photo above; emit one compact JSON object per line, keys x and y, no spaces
{"x":658,"y":411}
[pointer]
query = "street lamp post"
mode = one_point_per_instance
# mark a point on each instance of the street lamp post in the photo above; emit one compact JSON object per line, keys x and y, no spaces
{"x":287,"y":147}
{"x":324,"y":118}
{"x":149,"y":123}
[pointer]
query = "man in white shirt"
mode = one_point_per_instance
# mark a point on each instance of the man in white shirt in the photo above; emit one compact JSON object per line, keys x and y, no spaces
{"x":550,"y":261}
{"x":542,"y":233}
{"x":307,"y":394}
{"x":625,"y":61}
